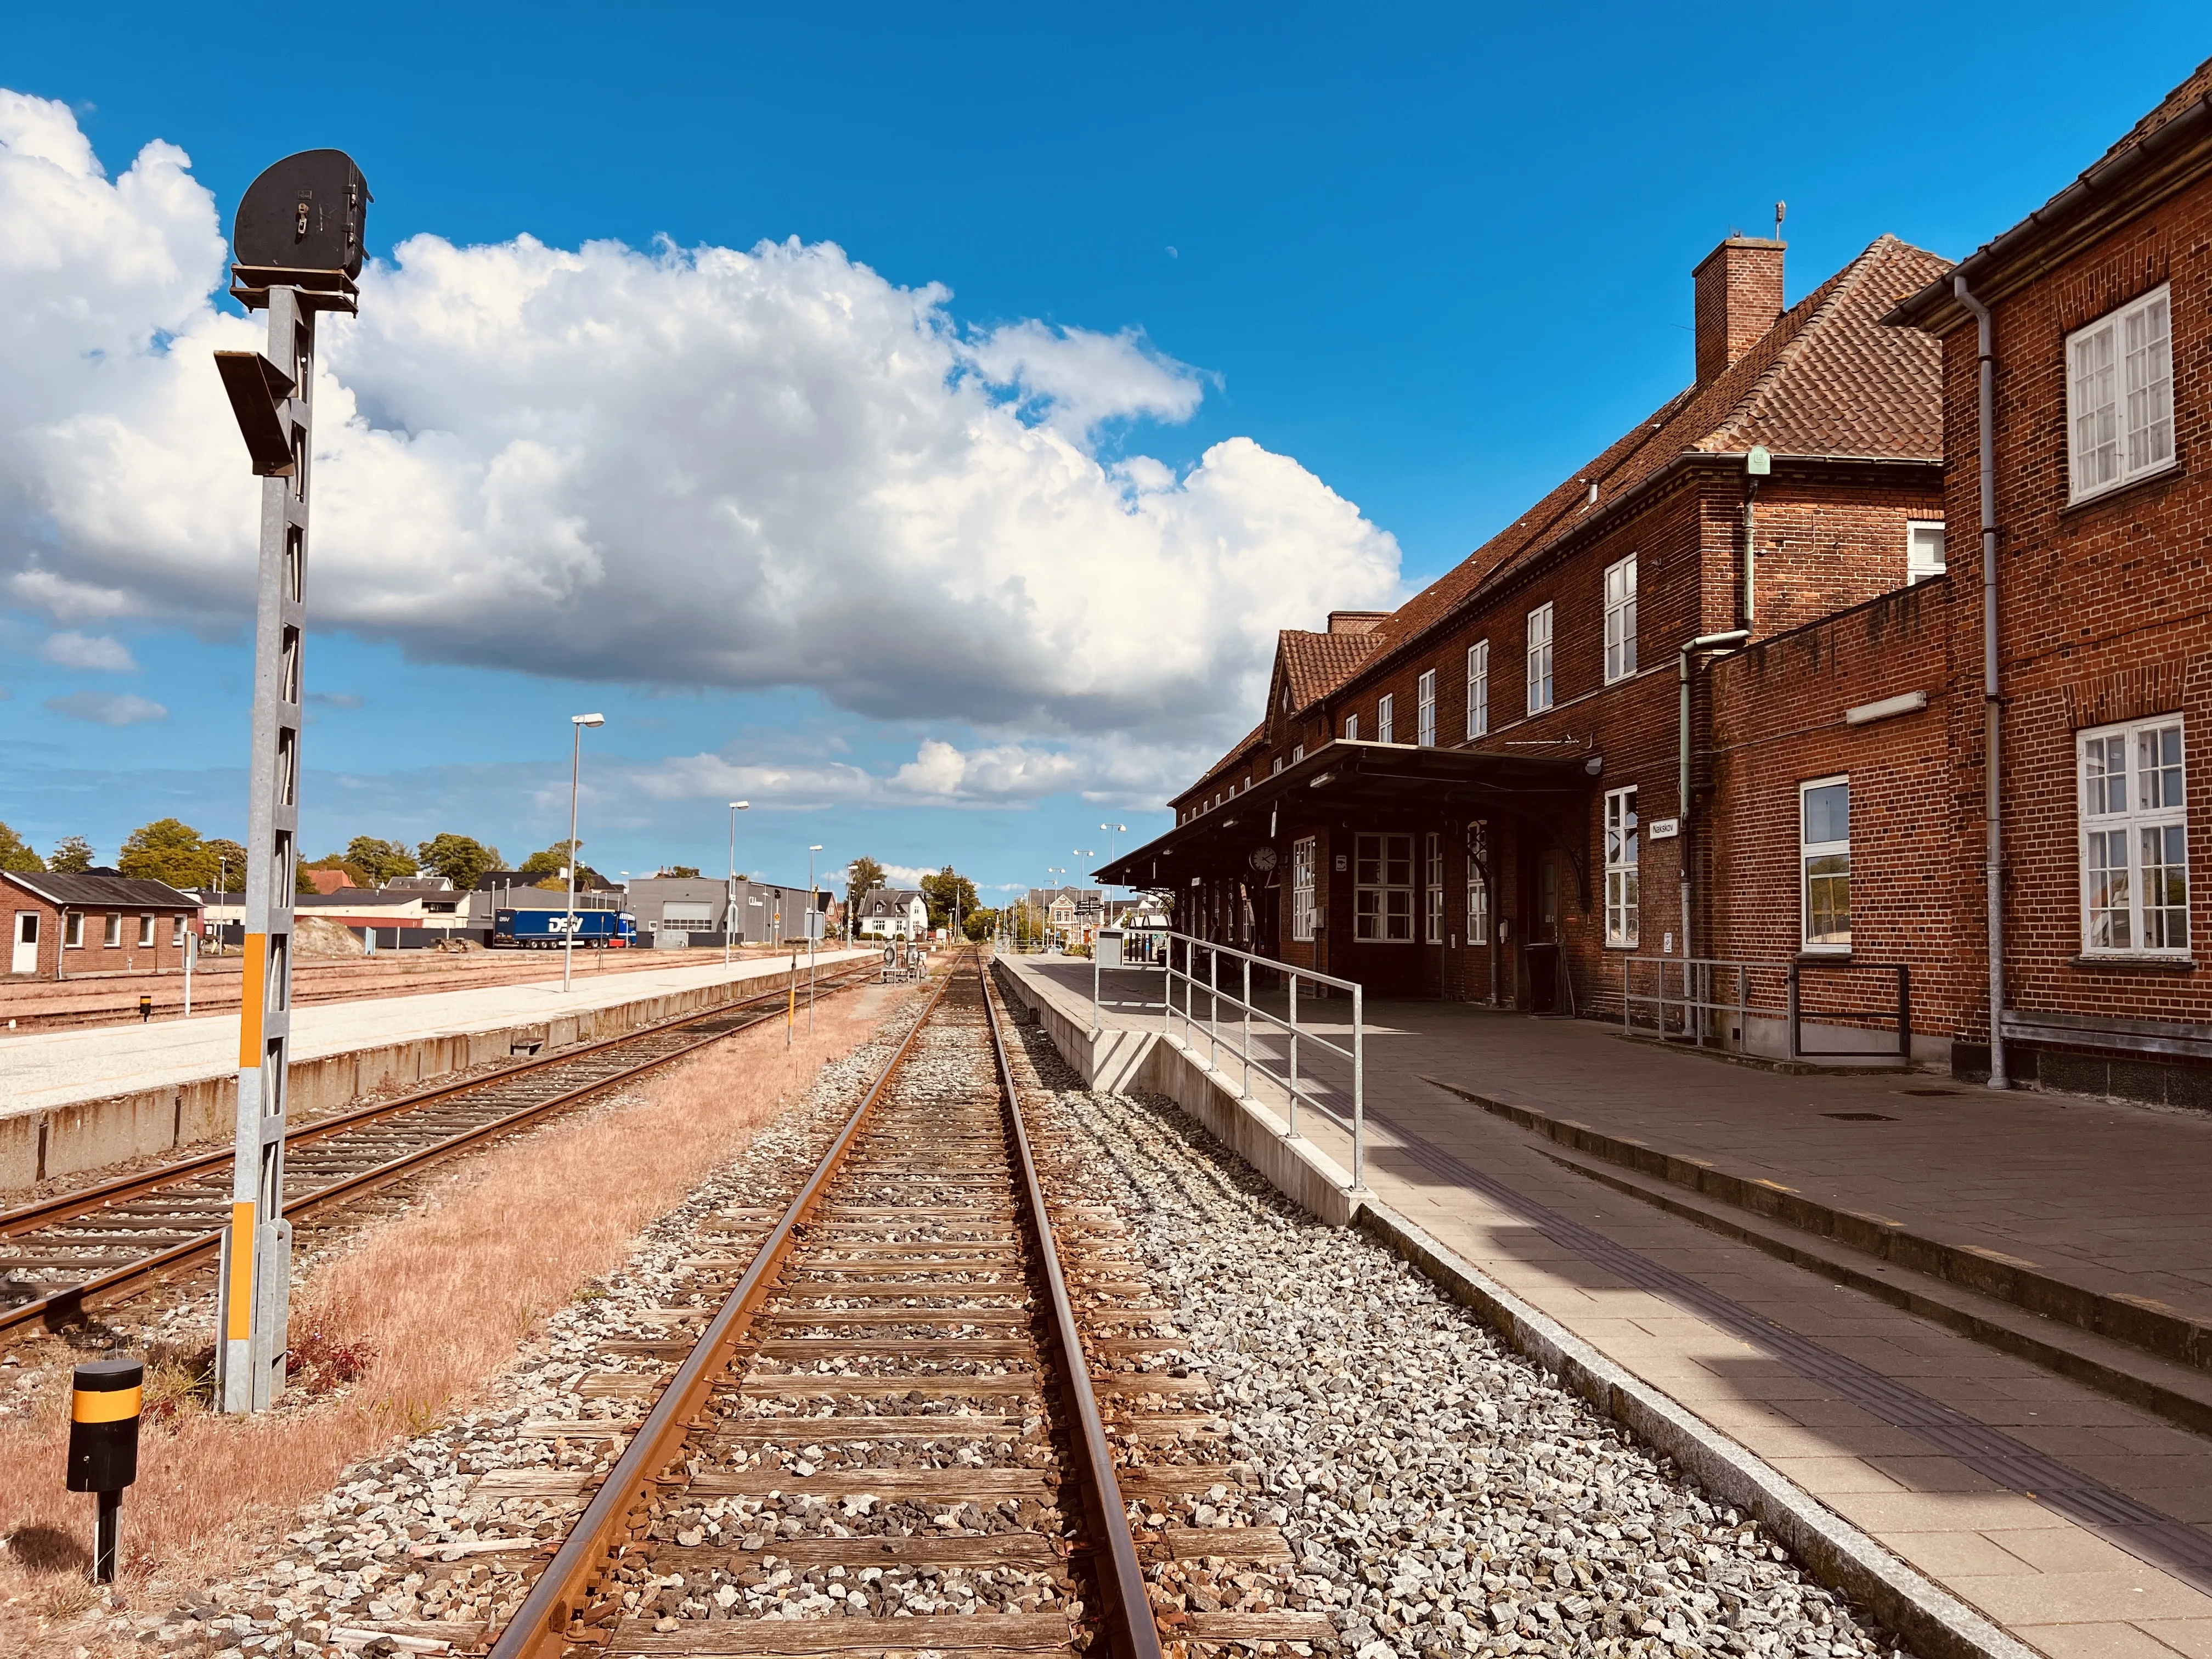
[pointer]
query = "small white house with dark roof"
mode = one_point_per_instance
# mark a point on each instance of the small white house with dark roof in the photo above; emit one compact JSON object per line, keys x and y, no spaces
{"x":894,"y":913}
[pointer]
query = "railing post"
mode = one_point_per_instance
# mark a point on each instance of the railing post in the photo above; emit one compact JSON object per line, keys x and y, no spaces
{"x":1742,"y":1009}
{"x":1904,"y":1014}
{"x":1358,"y":1090}
{"x":1248,"y":1027}
{"x":1294,"y":1054}
{"x":1660,"y":1017}
{"x":1627,"y":1025}
{"x":1212,"y":1007}
{"x":1793,"y":1006}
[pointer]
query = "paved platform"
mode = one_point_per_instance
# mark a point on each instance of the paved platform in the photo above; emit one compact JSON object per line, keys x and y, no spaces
{"x":78,"y":1099}
{"x":2078,"y":1522}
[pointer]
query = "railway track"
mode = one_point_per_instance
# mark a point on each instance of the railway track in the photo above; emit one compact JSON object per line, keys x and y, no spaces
{"x":902,"y":1354}
{"x":62,"y":1256}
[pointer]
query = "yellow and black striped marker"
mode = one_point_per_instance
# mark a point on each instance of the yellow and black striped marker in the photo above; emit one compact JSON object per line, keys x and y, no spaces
{"x":105,"y":1398}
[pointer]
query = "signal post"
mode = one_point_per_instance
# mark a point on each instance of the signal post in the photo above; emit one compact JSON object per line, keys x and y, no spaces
{"x":297,"y":241}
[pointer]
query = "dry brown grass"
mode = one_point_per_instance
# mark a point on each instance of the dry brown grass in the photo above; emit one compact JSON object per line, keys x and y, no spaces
{"x":441,"y":1295}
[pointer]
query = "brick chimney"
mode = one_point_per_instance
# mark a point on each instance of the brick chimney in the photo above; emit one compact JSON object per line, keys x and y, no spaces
{"x":1738,"y":299}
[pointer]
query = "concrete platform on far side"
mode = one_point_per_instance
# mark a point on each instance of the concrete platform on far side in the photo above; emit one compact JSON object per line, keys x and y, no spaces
{"x":76,"y":1100}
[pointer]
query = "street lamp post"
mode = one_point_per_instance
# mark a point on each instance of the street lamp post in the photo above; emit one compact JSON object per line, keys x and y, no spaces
{"x":730,"y":903}
{"x":813,"y":933}
{"x":577,"y":723}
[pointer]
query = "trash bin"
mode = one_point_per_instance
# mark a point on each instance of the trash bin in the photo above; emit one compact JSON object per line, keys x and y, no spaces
{"x":1543,"y":977}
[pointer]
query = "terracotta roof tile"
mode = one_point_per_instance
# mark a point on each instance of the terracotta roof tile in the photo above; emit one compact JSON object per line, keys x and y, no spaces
{"x":1313,"y":663}
{"x":1828,"y":378}
{"x":2198,"y":85}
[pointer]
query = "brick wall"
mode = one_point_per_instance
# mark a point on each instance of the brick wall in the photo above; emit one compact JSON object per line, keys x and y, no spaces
{"x":1779,"y":721}
{"x":2104,"y":603}
{"x":1830,"y":538}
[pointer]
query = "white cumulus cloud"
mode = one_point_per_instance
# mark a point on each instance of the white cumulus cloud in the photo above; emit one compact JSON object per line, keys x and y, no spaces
{"x":96,"y":652}
{"x":107,"y":708}
{"x":686,"y":466}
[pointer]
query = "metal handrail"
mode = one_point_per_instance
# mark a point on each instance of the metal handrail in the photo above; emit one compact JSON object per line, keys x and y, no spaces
{"x":1240,"y":1002}
{"x":1696,"y":999}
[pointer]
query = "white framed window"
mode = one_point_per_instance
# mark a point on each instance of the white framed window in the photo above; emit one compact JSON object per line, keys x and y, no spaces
{"x":1276,"y":768}
{"x":1624,"y":899}
{"x":1302,"y":889}
{"x":1386,"y":719}
{"x":1297,"y":754}
{"x":177,"y":929}
{"x":1620,"y":620}
{"x":1382,"y":890}
{"x":1351,"y":728}
{"x":112,"y":934}
{"x":1824,"y":863}
{"x":1477,"y":689}
{"x":145,"y":930}
{"x":1540,"y":659}
{"x":73,"y":931}
{"x":2119,"y":395}
{"x":1924,"y":551}
{"x":2134,"y":839}
{"x":1478,"y":888}
{"x":1432,"y":889}
{"x":1425,"y":709}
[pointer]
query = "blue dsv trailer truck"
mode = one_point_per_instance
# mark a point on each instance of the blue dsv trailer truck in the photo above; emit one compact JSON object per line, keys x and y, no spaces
{"x":548,"y":930}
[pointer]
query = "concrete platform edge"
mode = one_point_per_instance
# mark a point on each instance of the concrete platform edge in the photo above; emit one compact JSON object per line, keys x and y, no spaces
{"x":2160,"y":1331}
{"x":1936,"y":1623}
{"x":37,"y":1142}
{"x":1128,"y":1059}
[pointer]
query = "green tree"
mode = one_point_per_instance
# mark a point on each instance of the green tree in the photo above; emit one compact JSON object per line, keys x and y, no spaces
{"x":945,"y":890}
{"x":979,"y":924}
{"x":555,"y":858}
{"x":859,"y":876}
{"x":15,"y":852}
{"x":378,"y":859}
{"x":461,"y":859}
{"x":229,"y":861}
{"x":72,"y":856}
{"x":681,"y":870}
{"x":168,"y":850}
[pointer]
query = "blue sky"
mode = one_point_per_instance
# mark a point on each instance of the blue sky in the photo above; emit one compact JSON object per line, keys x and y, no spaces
{"x":1424,"y":260}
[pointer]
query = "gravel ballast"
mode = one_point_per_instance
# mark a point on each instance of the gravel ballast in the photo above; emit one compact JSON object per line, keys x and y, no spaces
{"x":1453,"y":1497}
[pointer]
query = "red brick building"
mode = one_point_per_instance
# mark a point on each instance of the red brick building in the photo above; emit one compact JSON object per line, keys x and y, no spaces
{"x":1478,"y":795}
{"x":1610,"y":731}
{"x":2093,"y":316}
{"x":95,"y":922}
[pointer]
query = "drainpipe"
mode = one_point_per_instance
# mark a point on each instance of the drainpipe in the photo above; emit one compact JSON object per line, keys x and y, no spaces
{"x":1703,"y":644}
{"x":1992,"y":699}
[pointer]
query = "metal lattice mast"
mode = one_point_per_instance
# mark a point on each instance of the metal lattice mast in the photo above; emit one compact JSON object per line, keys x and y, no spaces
{"x":297,"y":241}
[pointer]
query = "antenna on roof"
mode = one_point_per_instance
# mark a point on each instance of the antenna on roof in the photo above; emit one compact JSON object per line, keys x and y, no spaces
{"x":1780,"y":209}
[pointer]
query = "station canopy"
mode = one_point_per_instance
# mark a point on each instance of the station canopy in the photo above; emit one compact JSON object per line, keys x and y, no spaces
{"x":1359,"y":784}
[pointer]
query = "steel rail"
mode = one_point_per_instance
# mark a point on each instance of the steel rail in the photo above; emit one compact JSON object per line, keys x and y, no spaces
{"x":1131,"y":1631}
{"x":49,"y":1212}
{"x":540,"y":1628}
{"x":119,"y":1283}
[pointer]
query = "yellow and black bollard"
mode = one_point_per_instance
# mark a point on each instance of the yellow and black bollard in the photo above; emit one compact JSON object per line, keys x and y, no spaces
{"x":145,"y":1008}
{"x":103,"y":1448}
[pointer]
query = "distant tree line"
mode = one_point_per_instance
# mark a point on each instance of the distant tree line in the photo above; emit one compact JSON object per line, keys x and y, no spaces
{"x":171,"y":850}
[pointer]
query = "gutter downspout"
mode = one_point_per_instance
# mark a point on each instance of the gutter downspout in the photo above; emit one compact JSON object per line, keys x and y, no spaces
{"x":1702,"y":644}
{"x":1992,"y":697}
